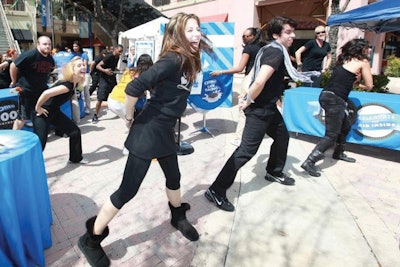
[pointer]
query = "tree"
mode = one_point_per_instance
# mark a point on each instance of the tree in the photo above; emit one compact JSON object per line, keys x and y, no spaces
{"x":110,"y":24}
{"x":334,"y":30}
{"x":115,"y":16}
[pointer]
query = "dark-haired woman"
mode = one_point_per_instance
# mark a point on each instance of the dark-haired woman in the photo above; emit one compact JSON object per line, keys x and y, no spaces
{"x":151,"y":134}
{"x":352,"y":65}
{"x":252,"y":42}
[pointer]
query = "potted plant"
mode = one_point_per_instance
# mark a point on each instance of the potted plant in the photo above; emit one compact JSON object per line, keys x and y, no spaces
{"x":392,"y":71}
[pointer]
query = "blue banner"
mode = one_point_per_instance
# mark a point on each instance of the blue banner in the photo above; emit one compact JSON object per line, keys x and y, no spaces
{"x":44,"y":13}
{"x":375,"y":117}
{"x":214,"y":91}
{"x":211,"y":92}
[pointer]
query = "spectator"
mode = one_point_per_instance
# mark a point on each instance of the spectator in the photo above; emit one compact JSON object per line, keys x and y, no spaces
{"x":253,"y":41}
{"x":315,"y":51}
{"x":131,"y":57}
{"x":61,"y":58}
{"x":5,"y":78}
{"x":31,"y":71}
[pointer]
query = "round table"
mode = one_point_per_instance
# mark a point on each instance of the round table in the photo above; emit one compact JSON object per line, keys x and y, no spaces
{"x":25,"y":211}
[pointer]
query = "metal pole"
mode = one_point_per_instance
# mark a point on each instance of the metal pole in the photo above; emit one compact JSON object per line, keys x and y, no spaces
{"x":52,"y":22}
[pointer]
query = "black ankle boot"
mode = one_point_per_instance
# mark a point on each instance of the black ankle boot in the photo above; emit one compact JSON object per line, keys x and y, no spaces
{"x":180,"y":222}
{"x":310,"y":167}
{"x":338,"y":154}
{"x":309,"y":164}
{"x":90,"y":246}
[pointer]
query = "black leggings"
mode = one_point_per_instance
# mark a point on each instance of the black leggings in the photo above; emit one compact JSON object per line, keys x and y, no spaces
{"x":135,"y":171}
{"x":64,"y":124}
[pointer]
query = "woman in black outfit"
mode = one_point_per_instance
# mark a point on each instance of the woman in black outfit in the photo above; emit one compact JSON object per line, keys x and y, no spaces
{"x":48,"y":109}
{"x":151,"y":134}
{"x":352,"y":65}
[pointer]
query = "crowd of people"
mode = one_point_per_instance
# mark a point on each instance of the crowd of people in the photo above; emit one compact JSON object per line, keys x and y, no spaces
{"x":150,"y":98}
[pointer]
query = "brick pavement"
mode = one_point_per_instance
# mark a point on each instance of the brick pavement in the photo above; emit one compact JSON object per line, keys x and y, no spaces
{"x":141,"y":234}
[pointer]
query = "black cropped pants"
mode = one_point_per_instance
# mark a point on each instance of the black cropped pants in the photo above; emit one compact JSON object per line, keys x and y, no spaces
{"x":134,"y":173}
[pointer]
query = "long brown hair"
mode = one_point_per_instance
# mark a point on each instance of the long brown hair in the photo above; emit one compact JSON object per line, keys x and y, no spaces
{"x":174,"y":40}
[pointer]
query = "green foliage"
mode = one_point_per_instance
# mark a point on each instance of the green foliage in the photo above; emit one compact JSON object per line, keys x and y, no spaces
{"x":326,"y":76}
{"x":380,"y":82}
{"x":393,"y":67}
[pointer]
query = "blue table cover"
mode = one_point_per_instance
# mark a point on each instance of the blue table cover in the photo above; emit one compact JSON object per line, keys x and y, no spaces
{"x":375,"y":117}
{"x":25,"y":211}
{"x":9,"y":109}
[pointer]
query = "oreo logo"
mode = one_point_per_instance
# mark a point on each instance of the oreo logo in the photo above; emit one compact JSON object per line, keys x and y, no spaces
{"x":376,"y":121}
{"x":8,"y":113}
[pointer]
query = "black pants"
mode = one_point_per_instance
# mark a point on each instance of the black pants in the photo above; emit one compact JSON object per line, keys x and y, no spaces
{"x":134,"y":173}
{"x":259,"y":121}
{"x":95,"y":82}
{"x":106,"y":85}
{"x":336,"y":121}
{"x":64,"y":124}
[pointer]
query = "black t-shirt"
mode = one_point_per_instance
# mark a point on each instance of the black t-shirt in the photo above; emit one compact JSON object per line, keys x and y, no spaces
{"x":33,"y":71}
{"x":152,"y":135}
{"x":273,"y":88}
{"x":314,"y":55}
{"x":5,"y":78}
{"x":110,"y":62}
{"x":252,"y":50}
{"x":55,"y":102}
{"x":167,"y":82}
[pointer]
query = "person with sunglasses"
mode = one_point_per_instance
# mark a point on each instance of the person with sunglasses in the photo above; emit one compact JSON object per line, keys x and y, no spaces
{"x":253,"y":40}
{"x":314,"y":53}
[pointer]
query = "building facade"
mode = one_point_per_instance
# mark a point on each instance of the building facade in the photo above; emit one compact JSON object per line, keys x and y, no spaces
{"x":257,"y":13}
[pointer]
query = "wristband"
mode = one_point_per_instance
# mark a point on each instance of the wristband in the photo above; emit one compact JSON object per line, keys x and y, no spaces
{"x":248,"y":98}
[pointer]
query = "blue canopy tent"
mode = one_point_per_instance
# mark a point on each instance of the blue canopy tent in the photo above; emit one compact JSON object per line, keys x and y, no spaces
{"x":379,"y":17}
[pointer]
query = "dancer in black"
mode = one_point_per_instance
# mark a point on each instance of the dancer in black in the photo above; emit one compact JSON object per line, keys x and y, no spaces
{"x":48,"y":109}
{"x":151,"y":134}
{"x":352,"y":64}
{"x":262,"y":115}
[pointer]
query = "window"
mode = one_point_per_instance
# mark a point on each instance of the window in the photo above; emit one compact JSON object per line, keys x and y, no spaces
{"x":161,"y":2}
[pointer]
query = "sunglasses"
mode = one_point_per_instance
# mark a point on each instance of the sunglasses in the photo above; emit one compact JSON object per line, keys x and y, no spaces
{"x":320,"y":32}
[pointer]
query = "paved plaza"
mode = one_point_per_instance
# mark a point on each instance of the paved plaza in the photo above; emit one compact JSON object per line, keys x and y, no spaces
{"x":350,"y":216}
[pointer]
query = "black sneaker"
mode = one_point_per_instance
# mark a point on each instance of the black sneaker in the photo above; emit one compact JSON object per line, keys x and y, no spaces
{"x":282,"y":179}
{"x":95,"y":119}
{"x":221,"y":202}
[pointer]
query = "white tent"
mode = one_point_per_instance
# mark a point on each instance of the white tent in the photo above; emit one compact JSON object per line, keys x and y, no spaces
{"x":146,"y":37}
